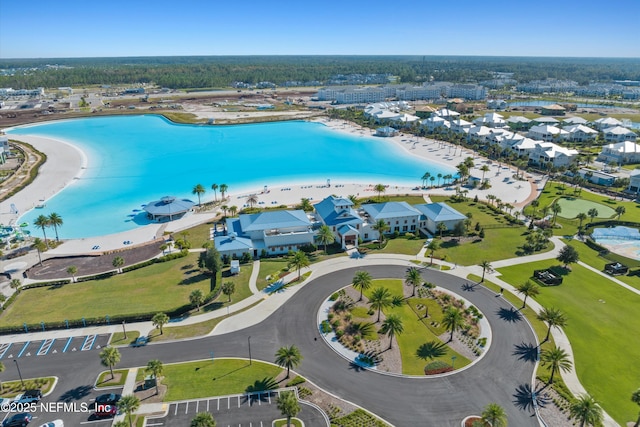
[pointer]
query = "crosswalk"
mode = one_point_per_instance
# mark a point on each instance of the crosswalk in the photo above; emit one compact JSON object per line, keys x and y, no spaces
{"x":53,"y":346}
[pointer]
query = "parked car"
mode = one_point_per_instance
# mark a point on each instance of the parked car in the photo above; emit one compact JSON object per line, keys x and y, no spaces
{"x":106,"y":411}
{"x":29,"y":396}
{"x":54,"y":423}
{"x":140,"y":341}
{"x":108,"y":399}
{"x":18,"y":420}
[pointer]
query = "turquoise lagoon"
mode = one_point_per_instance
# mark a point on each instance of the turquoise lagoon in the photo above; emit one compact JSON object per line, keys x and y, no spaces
{"x":133,"y":160}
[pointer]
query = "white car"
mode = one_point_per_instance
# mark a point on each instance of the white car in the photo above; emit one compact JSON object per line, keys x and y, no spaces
{"x":55,"y":423}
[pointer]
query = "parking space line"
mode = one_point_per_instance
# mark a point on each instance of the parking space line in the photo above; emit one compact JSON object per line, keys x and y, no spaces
{"x":46,"y":346}
{"x":64,"y":350}
{"x":238,"y":401}
{"x":269,"y":394}
{"x":197,"y":405}
{"x":176,"y":412}
{"x":207,"y":405}
{"x":218,"y":404}
{"x":259,"y":399}
{"x":4,"y":348}
{"x":186,"y":408}
{"x":24,"y":348}
{"x":88,"y":342}
{"x":229,"y":402}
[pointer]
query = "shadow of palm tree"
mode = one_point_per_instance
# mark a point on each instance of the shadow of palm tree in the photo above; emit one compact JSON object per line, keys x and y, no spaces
{"x":76,"y":393}
{"x":254,"y":397}
{"x":468,"y":287}
{"x":525,"y":397}
{"x":431,"y":350}
{"x":230,"y":372}
{"x":355,"y":367}
{"x":509,"y":315}
{"x":267,"y":383}
{"x":526,"y":352}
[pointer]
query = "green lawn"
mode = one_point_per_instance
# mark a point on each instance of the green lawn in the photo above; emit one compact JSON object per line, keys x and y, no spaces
{"x":270,"y":267}
{"x":158,"y":287}
{"x":105,"y":380}
{"x":602,"y":323}
{"x":572,"y":206}
{"x":118,"y":338}
{"x":217,"y":378}
{"x":590,"y":256}
{"x":399,"y":245}
{"x":471,"y":253}
{"x":415,"y":332}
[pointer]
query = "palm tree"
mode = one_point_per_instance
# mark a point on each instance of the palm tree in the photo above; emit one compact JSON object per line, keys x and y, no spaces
{"x":581,"y":217}
{"x":214,"y":187}
{"x":432,"y":247}
{"x":441,"y":228}
{"x":554,"y":318}
{"x":42,"y":222}
{"x":379,"y":188}
{"x":203,"y":419}
{"x":593,"y":212}
{"x":381,"y":226}
{"x":252,"y":200}
{"x":288,"y":405}
{"x":425,"y":178}
{"x":354,"y":199}
{"x":159,"y":320}
{"x":494,"y":415}
{"x":117,"y":263}
{"x":586,"y":411}
{"x":484,"y":170}
{"x":233,"y":210}
{"x":199,"y":190}
{"x":196,"y":297}
{"x":439,"y":178}
{"x":635,"y":398}
{"x":72,"y":270}
{"x":534,"y":205}
{"x":380,"y":298}
{"x":55,"y":220}
{"x":40,"y":247}
{"x":15,"y":284}
{"x":391,"y":327}
{"x":528,"y":289}
{"x":325,"y":236}
{"x":129,"y":404}
{"x":155,"y":368}
{"x":305,"y":205}
{"x":362,"y":281}
{"x":452,"y":320}
{"x":228,"y":288}
{"x":109,"y":357}
{"x":288,"y":357}
{"x":556,"y":209}
{"x":556,"y":359}
{"x":223,"y":189}
{"x":413,"y":278}
{"x":224,"y":208}
{"x":486,"y":265}
{"x":298,"y":261}
{"x":620,"y":210}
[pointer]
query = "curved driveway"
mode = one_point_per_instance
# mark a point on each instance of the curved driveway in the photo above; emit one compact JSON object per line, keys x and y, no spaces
{"x":498,"y":377}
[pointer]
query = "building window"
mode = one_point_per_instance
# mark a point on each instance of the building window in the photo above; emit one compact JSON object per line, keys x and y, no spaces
{"x":366,"y":235}
{"x":404,"y":228}
{"x":405,"y":221}
{"x":413,"y":228}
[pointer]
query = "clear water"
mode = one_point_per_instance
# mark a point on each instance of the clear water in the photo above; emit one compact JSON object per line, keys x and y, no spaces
{"x":545,"y":103}
{"x":133,"y":160}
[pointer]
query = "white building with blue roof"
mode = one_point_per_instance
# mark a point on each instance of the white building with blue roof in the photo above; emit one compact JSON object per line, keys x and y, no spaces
{"x":275,"y":232}
{"x":345,"y":222}
{"x":399,"y":216}
{"x":433,"y":214}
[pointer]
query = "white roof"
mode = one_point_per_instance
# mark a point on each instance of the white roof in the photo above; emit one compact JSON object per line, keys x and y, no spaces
{"x":480,"y":131}
{"x":579,"y":128}
{"x":545,"y":129}
{"x":552,"y":150}
{"x":525,"y":144}
{"x":575,"y":120}
{"x":545,"y":120}
{"x":608,"y":121}
{"x":618,"y":130}
{"x":624,"y":147}
{"x":518,"y":119}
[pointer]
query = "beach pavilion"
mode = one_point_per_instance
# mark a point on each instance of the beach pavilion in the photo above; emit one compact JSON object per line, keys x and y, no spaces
{"x":168,"y":208}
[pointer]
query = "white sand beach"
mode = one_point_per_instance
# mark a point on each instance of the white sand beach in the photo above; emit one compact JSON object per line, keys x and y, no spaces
{"x":66,"y":162}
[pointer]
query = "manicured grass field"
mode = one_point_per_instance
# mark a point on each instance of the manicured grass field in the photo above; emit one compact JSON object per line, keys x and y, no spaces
{"x":217,"y":378}
{"x":472,"y":253}
{"x":415,"y":332}
{"x":603,"y":325}
{"x":155,"y":288}
{"x":104,"y":379}
{"x":571,"y":207}
{"x":399,"y":245}
{"x":269,"y":267}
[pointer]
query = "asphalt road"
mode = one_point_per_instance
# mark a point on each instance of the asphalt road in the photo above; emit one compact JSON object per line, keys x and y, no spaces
{"x":503,"y":375}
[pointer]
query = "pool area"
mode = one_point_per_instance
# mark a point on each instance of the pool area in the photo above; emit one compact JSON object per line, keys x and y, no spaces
{"x":132,"y":160}
{"x":624,"y":241}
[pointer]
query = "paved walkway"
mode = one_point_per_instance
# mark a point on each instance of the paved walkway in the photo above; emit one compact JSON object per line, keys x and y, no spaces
{"x":271,"y":301}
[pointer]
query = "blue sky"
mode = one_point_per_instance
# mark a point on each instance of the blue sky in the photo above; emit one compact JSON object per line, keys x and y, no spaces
{"x":74,"y":28}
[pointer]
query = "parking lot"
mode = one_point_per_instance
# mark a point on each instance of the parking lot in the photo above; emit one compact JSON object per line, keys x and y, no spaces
{"x":250,"y":410}
{"x":53,"y":346}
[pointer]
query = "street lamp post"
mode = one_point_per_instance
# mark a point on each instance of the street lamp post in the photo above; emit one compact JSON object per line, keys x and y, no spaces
{"x":19,"y":373}
{"x":249,"y":340}
{"x":124,"y":330}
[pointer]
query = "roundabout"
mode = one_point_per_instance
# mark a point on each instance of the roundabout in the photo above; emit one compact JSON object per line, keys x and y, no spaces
{"x":503,"y":375}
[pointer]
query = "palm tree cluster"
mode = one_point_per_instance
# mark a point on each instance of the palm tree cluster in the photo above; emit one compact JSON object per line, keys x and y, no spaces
{"x":53,"y":220}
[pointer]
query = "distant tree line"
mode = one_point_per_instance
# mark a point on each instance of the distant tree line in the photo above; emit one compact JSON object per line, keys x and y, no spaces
{"x":183,"y":72}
